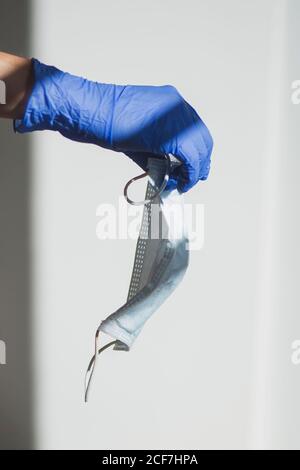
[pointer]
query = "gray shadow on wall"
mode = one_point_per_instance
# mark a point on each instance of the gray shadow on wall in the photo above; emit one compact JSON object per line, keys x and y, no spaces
{"x":16,"y":410}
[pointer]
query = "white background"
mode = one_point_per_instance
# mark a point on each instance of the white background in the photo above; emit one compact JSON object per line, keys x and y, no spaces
{"x":212,"y":369}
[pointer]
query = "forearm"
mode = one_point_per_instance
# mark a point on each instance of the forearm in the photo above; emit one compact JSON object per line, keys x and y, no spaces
{"x":17,"y":75}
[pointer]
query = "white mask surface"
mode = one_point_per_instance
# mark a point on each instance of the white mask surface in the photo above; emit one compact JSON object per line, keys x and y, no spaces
{"x":161,"y":260}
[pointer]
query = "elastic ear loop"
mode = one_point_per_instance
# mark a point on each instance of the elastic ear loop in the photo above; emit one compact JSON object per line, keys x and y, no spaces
{"x":92,"y":365}
{"x":143,"y":175}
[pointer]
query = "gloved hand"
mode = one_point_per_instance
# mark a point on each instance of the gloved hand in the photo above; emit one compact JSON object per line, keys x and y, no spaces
{"x":140,"y":121}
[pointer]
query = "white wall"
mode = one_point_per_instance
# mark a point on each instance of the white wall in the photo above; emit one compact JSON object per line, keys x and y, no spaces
{"x":277,"y":383}
{"x":194,"y":378}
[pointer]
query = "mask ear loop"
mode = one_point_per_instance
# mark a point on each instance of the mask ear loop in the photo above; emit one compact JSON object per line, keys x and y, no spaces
{"x":92,"y":365}
{"x":143,"y":175}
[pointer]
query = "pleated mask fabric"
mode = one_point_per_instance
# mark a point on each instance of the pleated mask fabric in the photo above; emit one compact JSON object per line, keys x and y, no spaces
{"x":161,"y":260}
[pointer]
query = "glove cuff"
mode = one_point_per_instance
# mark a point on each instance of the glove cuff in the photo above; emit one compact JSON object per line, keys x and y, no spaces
{"x":40,"y":109}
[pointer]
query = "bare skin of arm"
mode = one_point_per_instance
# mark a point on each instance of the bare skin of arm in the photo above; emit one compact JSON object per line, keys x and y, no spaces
{"x":17,"y":74}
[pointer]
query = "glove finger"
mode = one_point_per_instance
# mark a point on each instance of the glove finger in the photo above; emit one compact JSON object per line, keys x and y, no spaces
{"x":188,"y":176}
{"x":173,"y":180}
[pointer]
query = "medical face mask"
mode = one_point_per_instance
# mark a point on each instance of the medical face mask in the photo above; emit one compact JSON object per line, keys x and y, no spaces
{"x":161,"y":260}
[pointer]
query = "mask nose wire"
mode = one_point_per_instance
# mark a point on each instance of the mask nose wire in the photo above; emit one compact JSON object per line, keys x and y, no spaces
{"x":143,"y":175}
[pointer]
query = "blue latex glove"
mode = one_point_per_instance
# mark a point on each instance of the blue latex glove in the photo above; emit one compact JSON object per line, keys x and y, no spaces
{"x":140,"y":121}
